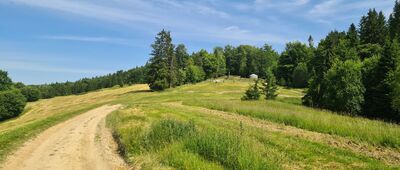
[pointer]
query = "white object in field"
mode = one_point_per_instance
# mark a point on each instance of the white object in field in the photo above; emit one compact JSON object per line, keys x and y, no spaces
{"x":253,"y":76}
{"x":217,"y":81}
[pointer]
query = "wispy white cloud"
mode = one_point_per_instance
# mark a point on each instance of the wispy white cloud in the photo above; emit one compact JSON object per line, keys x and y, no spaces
{"x":185,"y":17}
{"x":32,"y":66}
{"x":339,"y":10}
{"x":283,"y":5}
{"x":109,"y":40}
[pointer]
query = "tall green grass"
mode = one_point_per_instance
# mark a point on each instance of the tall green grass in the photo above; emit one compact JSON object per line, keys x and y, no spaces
{"x":165,"y":132}
{"x":361,"y":129}
{"x":181,"y":144}
{"x":232,"y":151}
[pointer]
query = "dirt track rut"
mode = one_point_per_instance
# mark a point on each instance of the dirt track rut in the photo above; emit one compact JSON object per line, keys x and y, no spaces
{"x":82,"y":142}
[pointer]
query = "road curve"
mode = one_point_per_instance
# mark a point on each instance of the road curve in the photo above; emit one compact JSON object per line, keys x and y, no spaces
{"x":82,"y":142}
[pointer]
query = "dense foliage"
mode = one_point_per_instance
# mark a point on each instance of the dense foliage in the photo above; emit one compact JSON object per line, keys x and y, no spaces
{"x":355,"y":71}
{"x":120,"y":78}
{"x":5,"y":81}
{"x":12,"y":103}
{"x":31,"y":94}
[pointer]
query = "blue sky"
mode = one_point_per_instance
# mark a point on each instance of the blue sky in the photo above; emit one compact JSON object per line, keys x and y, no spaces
{"x":43,"y":41}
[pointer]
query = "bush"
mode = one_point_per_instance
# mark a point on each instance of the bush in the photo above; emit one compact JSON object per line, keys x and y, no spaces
{"x":31,"y":94}
{"x":253,"y":93}
{"x":12,"y":103}
{"x":345,"y":90}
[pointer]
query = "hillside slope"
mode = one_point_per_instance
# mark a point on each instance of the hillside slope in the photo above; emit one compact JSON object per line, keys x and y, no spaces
{"x":207,"y":126}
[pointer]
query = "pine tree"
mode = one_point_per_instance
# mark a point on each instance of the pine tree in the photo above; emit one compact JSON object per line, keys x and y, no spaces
{"x":270,"y":88}
{"x":352,"y":36}
{"x":394,"y":21}
{"x":373,"y":28}
{"x":253,"y":92}
{"x":162,"y":70}
{"x":378,"y":95}
{"x":182,"y":56}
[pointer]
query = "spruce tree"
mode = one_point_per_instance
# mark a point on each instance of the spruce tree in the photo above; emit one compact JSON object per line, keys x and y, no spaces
{"x":162,"y":69}
{"x":394,"y":21}
{"x":378,"y":95}
{"x":352,"y":36}
{"x":253,"y":92}
{"x":373,"y":28}
{"x":270,"y":88}
{"x":182,"y":56}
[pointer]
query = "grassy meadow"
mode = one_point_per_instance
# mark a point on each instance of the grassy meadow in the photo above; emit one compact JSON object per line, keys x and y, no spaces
{"x":207,"y":126}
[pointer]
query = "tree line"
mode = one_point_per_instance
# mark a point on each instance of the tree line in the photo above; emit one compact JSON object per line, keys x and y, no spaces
{"x":356,"y":72}
{"x":13,"y":96}
{"x":172,"y":66}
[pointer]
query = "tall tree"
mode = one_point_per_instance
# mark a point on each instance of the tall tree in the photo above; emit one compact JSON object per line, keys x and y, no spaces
{"x":162,"y":69}
{"x":352,"y":36}
{"x":230,"y":52}
{"x":396,"y":92}
{"x":373,"y":28}
{"x":394,"y":21}
{"x":5,"y":81}
{"x":329,"y":50}
{"x":182,"y":56}
{"x":221,"y":61}
{"x":378,"y":83}
{"x":295,"y":53}
{"x":199,"y":57}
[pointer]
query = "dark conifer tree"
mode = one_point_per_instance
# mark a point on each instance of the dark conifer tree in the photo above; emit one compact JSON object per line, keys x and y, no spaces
{"x":352,"y":36}
{"x":394,"y":21}
{"x":373,"y":28}
{"x":161,"y":64}
{"x":182,"y":56}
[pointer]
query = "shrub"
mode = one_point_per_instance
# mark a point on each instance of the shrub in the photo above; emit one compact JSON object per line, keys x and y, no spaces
{"x":345,"y":90}
{"x":270,"y":88}
{"x":165,"y":132}
{"x":12,"y":103}
{"x":31,"y":94}
{"x":253,"y":93}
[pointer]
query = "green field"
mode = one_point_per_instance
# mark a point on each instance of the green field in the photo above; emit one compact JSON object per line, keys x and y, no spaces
{"x":207,"y":126}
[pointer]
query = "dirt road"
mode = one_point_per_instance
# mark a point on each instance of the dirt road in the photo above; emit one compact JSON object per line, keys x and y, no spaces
{"x":82,"y":142}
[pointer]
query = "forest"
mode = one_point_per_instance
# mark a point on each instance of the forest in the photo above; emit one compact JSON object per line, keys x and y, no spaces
{"x":354,"y":72}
